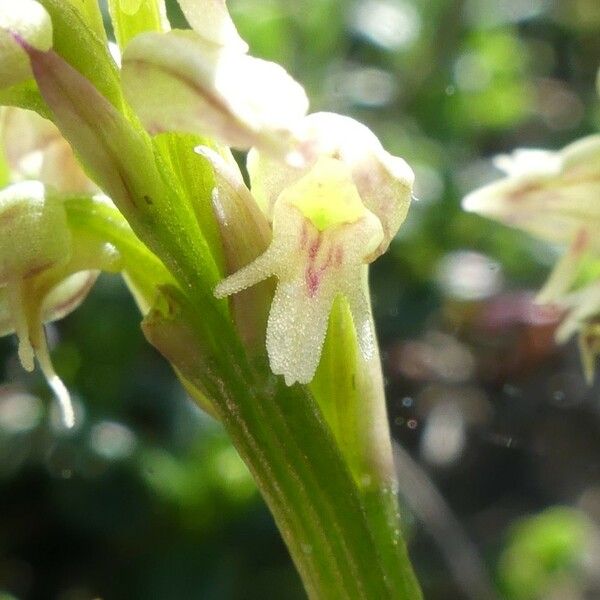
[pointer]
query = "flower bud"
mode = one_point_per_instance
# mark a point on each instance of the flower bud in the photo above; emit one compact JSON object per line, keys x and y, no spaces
{"x":30,"y":21}
{"x":583,"y":312}
{"x":589,"y":348}
{"x":211,"y":19}
{"x":33,"y":232}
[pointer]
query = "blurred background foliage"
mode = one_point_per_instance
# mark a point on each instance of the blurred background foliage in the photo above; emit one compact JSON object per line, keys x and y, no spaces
{"x":146,"y":499}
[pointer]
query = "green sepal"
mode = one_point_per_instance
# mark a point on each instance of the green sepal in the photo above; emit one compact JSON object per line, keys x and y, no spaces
{"x":194,"y":181}
{"x":132,"y":18}
{"x":92,"y":15}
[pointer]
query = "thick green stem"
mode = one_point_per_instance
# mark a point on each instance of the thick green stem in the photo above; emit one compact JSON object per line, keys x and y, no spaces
{"x":336,"y":538}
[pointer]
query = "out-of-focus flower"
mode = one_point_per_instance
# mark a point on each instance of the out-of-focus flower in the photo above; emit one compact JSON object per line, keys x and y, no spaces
{"x":30,"y":21}
{"x":203,"y":81}
{"x":330,"y":219}
{"x":582,"y":319}
{"x":554,"y":196}
{"x":40,"y":279}
{"x":551,"y":195}
{"x":35,"y":150}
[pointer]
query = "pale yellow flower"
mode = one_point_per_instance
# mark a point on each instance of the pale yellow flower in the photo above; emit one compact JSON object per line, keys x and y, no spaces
{"x":330,"y":219}
{"x":204,"y":81}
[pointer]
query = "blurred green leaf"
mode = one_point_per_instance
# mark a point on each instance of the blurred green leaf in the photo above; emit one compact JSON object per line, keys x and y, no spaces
{"x":542,"y":551}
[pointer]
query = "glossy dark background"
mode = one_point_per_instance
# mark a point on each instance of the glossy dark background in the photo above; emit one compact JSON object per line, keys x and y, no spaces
{"x":147,"y":500}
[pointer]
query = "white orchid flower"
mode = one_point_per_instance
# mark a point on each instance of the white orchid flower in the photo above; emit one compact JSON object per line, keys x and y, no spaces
{"x":203,"y":81}
{"x":41,"y":278}
{"x":552,"y":196}
{"x":330,"y":219}
{"x":384,"y":182}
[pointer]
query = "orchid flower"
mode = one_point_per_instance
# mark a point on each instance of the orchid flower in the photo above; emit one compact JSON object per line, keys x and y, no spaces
{"x":330,"y":219}
{"x":41,"y":278}
{"x":204,"y":81}
{"x":46,"y":272}
{"x":334,"y":196}
{"x":554,"y":196}
{"x":551,"y":195}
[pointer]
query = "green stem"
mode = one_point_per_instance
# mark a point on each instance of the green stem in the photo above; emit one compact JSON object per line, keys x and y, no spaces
{"x":333,"y":535}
